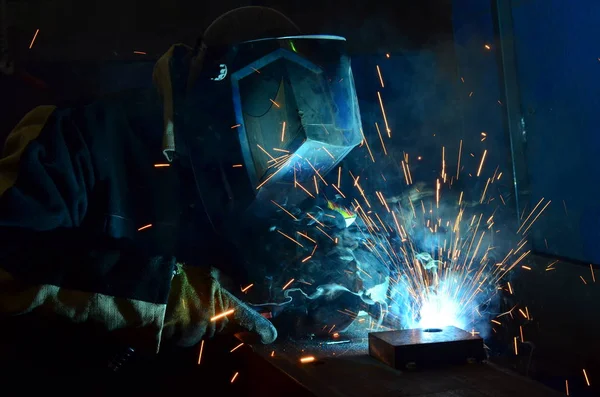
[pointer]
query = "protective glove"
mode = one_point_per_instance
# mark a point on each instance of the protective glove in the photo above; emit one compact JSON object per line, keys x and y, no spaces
{"x":197,"y":296}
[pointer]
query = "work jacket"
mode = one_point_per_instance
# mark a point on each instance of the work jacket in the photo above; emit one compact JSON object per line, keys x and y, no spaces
{"x":91,"y":204}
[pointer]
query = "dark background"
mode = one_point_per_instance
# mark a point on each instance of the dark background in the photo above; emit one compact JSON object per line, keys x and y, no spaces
{"x":85,"y":50}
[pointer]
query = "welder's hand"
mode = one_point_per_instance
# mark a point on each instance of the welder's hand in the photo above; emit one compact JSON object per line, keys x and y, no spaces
{"x":196,"y":297}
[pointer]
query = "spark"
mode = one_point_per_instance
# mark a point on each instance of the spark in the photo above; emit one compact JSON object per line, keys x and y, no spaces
{"x":265,"y":152}
{"x":508,"y":312}
{"x":317,"y":171}
{"x":380,"y":78}
{"x":273,"y":353}
{"x":162,"y":165}
{"x":34,"y":37}
{"x":487,"y":47}
{"x":222,"y":315}
{"x":404,"y":169}
{"x":235,"y":126}
{"x":308,"y":359}
{"x":381,"y":139}
{"x":237,"y":166}
{"x":284,"y":210}
{"x":388,"y":55}
{"x":306,"y":237}
{"x":593,"y":276}
{"x":328,"y":152}
{"x":283,"y":132}
{"x":139,"y":52}
{"x":521,"y":332}
{"x":484,"y":191}
{"x":444,"y":164}
{"x":234,"y":377}
{"x":367,"y":145}
{"x":339,"y":176}
{"x":537,"y":216}
{"x":531,"y":213}
{"x":201,"y":350}
{"x":315,"y":219}
{"x":583,"y":279}
{"x":481,"y":164}
{"x":516,"y":348}
{"x":287,"y":284}
{"x":322,"y":231}
{"x":459,"y":156}
{"x":145,"y":227}
{"x":567,"y":387}
{"x":387,"y":127}
{"x":247,"y":288}
{"x":274,"y":103}
{"x":523,"y":313}
{"x":235,"y":348}
{"x":587,"y":380}
{"x":305,"y":190}
{"x":269,"y":178}
{"x":289,"y":238}
{"x":339,"y":191}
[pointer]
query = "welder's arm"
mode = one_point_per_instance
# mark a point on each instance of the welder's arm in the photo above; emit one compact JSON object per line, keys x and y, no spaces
{"x":51,"y":266}
{"x":48,"y":265}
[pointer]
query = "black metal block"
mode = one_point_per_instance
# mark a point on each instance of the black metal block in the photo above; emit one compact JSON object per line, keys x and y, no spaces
{"x":425,"y":347}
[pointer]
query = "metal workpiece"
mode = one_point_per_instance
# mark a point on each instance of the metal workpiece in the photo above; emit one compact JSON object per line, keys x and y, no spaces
{"x":420,"y":348}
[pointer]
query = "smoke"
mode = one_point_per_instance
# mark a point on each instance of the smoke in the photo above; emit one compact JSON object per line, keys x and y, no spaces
{"x":428,"y":252}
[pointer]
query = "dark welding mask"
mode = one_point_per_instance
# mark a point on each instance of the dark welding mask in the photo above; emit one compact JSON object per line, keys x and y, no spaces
{"x":279,"y":114}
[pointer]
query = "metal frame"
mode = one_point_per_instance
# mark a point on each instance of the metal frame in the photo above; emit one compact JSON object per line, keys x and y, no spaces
{"x":514,"y":121}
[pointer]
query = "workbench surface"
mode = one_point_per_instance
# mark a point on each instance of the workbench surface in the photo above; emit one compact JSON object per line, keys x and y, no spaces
{"x":346,"y":369}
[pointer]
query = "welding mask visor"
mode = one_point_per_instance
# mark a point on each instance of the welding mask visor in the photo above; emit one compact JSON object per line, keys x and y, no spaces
{"x":296,"y":108}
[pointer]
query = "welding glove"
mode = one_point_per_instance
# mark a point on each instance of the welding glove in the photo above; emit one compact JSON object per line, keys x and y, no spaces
{"x":197,"y":296}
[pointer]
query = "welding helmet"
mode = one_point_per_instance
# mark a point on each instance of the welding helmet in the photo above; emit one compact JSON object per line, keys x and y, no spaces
{"x":282,"y":112}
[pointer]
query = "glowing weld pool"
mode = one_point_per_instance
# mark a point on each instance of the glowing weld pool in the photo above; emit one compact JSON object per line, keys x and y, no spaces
{"x":425,"y":347}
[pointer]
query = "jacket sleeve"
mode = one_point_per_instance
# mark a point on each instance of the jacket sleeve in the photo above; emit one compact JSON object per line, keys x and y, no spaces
{"x":48,"y":264}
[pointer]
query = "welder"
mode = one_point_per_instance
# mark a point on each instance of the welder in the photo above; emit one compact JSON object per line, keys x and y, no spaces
{"x":112,"y":213}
